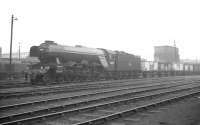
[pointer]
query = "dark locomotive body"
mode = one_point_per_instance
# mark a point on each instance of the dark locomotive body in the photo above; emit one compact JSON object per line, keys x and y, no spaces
{"x":67,"y":63}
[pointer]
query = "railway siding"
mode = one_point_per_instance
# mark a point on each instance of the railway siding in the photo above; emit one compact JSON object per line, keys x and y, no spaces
{"x":77,"y":87}
{"x":85,"y":100}
{"x":93,"y":106}
{"x":43,"y":98}
{"x":85,"y":106}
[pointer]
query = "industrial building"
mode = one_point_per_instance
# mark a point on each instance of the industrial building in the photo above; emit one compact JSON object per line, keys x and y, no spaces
{"x":166,"y":54}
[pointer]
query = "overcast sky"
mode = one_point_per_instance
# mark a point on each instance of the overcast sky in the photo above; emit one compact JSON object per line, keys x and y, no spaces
{"x":134,"y":26}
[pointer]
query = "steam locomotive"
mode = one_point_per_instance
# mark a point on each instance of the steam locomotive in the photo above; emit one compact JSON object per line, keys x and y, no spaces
{"x":68,"y":63}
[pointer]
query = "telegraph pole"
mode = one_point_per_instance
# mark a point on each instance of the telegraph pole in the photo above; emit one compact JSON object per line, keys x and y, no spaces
{"x":11,"y":37}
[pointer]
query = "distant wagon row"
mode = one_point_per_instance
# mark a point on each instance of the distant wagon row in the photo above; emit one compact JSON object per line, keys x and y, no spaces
{"x":178,"y":68}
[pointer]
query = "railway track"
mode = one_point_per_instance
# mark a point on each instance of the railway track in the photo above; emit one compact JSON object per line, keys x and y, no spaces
{"x":81,"y":86}
{"x":125,"y":114}
{"x":13,"y":83}
{"x":23,"y":83}
{"x":7,"y":103}
{"x":63,"y":94}
{"x":94,"y":101}
{"x":6,"y":84}
{"x":126,"y":89}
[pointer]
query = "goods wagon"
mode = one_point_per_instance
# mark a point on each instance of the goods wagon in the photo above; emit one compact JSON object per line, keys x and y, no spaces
{"x":151,"y":68}
{"x":164,"y":66}
{"x":176,"y":66}
{"x":196,"y":67}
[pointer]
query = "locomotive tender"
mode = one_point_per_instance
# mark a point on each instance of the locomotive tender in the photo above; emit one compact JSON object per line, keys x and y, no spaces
{"x":68,"y":63}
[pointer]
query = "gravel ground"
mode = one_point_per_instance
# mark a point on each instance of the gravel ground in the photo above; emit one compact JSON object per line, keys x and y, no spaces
{"x":185,"y":112}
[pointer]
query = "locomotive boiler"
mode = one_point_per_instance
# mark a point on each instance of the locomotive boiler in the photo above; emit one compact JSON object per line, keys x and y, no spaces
{"x":68,"y":63}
